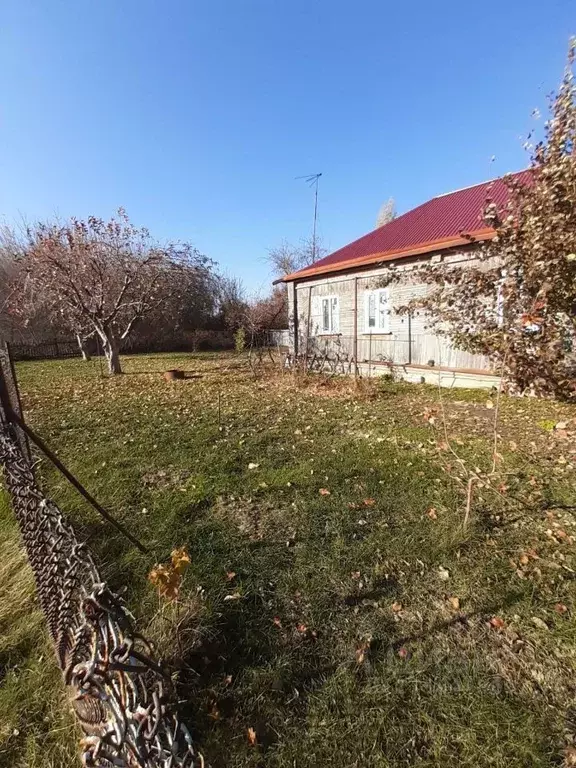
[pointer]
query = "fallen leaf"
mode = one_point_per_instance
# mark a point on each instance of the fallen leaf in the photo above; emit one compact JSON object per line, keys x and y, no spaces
{"x":180,"y":560}
{"x":369,"y":502}
{"x":432,"y":514}
{"x":561,"y":425}
{"x":301,"y":628}
{"x":497,"y":622}
{"x":524,"y":560}
{"x":396,"y":607}
{"x":539,"y":623}
{"x":454,"y":603}
{"x":560,"y":608}
{"x":547,"y":424}
{"x":276,"y":620}
{"x":361,"y":651}
{"x":569,"y":757}
{"x":252,"y":736}
{"x":235,"y":596}
{"x":230,"y":575}
{"x":252,"y":465}
{"x":403,"y":652}
{"x":167,"y":580}
{"x":443,"y":574}
{"x":489,"y":404}
{"x":324,"y":492}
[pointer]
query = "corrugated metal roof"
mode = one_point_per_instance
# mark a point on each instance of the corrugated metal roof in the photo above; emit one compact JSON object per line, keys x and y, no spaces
{"x":442,"y":222}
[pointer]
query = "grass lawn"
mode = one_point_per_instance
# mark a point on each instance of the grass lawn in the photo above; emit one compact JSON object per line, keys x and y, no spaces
{"x":366,"y":624}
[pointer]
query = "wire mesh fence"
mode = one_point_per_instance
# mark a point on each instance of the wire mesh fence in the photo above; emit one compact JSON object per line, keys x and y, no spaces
{"x":120,"y":692}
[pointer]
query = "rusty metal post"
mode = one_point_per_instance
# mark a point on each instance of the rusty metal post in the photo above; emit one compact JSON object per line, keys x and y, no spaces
{"x":10,"y":398}
{"x":11,"y":414}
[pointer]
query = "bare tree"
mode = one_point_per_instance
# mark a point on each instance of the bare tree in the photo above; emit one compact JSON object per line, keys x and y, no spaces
{"x":387,"y":213}
{"x":103,"y":277}
{"x":12,"y":322}
{"x":287,"y":258}
{"x":8,"y":269}
{"x":269,"y":313}
{"x":232,"y":302}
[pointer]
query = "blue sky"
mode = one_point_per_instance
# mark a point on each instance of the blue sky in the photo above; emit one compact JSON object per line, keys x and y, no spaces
{"x":196,"y":116}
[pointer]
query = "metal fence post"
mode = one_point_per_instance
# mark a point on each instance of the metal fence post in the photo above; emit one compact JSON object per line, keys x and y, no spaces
{"x":10,"y":398}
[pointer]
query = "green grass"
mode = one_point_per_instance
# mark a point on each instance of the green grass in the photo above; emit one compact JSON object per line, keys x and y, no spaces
{"x":345,"y":647}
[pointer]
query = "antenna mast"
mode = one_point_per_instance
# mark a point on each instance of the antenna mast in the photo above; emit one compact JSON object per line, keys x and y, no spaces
{"x":312,"y":181}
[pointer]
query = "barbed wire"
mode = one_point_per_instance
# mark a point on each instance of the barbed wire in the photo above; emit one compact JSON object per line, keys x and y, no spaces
{"x":119,"y":691}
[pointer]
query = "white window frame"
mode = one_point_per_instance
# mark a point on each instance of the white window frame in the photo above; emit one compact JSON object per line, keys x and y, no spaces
{"x":333,"y":315}
{"x":500,"y":298}
{"x":378,"y":327}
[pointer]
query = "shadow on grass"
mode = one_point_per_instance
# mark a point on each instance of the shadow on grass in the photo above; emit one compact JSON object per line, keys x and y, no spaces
{"x":382,"y":588}
{"x":216,"y":681}
{"x":380,"y":647}
{"x":219,"y":695}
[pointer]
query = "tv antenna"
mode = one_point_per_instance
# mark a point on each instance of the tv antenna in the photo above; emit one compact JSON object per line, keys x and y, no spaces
{"x":312,"y":180}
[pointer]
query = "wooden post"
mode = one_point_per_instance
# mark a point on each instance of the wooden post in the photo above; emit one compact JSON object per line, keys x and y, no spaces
{"x":369,"y":355}
{"x":355,"y":341}
{"x":308,"y":319}
{"x":409,"y":337}
{"x":294,"y":288}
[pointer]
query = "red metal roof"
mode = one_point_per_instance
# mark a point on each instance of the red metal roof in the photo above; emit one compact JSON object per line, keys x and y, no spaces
{"x":443,"y":222}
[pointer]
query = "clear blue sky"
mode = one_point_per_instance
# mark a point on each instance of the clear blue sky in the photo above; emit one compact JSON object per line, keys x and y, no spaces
{"x":196,"y":116}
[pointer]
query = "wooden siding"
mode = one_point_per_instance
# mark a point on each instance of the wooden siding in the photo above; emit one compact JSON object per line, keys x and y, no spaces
{"x":408,"y":340}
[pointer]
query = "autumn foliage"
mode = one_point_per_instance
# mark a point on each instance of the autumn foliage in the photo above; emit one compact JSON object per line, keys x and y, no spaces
{"x":167,"y":577}
{"x":516,"y":302}
{"x":103,"y":278}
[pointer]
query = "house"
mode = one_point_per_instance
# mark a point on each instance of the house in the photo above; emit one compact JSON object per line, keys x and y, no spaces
{"x":341,"y":316}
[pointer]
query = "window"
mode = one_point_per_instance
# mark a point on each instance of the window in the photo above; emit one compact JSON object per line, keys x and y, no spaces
{"x":330,"y":319}
{"x":376,"y":312}
{"x":500,"y":304}
{"x":500,"y":299}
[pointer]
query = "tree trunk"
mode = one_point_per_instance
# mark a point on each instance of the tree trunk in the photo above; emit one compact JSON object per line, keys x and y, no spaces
{"x":113,"y":357}
{"x":112,"y":352}
{"x":83,"y":349}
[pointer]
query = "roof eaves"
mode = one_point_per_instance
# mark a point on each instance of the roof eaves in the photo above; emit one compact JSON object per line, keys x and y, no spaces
{"x":376,"y":258}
